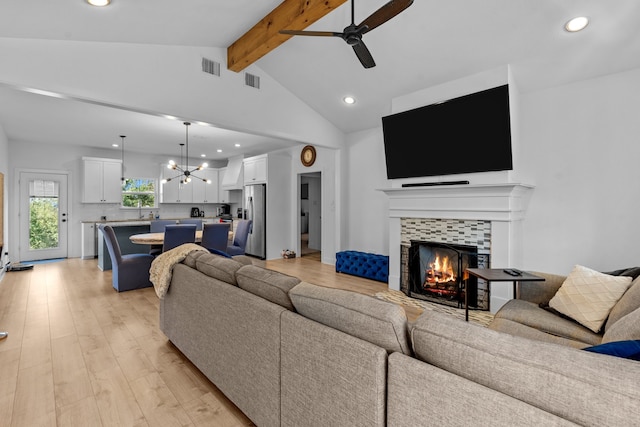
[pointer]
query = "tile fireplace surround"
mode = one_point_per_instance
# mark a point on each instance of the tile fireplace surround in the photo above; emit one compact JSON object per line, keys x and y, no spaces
{"x":503,"y":206}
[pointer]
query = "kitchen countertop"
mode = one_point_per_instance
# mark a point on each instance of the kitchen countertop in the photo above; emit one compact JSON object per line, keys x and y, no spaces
{"x":142,"y":221}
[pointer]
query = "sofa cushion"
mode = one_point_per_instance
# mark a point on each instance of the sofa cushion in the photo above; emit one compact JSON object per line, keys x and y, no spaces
{"x":629,"y":302}
{"x":582,"y":387}
{"x":587,"y":296}
{"x":268,"y":284}
{"x":190,"y":260}
{"x":368,"y":318}
{"x":533,"y":316}
{"x":629,"y":349}
{"x":218,"y":267}
{"x":627,"y":328}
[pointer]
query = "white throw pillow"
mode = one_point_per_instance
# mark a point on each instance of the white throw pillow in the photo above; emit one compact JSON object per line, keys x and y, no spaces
{"x":587,"y":296}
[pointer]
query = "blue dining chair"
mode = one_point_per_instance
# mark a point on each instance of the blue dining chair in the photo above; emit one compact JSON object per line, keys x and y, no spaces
{"x":240,"y":238}
{"x":157,"y":225}
{"x":197,"y":222}
{"x":215,"y":236}
{"x":130,"y":271}
{"x":178,"y":234}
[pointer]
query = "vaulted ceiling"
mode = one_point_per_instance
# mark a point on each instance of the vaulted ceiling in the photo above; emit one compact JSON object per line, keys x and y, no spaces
{"x":430,"y":43}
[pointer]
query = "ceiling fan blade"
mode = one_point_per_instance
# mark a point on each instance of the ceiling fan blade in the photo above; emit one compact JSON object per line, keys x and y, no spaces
{"x":311,"y":33}
{"x":364,"y":55}
{"x":384,"y":14}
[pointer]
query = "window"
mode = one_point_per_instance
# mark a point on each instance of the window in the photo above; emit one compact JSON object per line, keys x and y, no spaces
{"x":139,"y":193}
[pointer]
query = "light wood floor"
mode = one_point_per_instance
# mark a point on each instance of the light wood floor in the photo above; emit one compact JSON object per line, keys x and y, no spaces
{"x":81,"y":354}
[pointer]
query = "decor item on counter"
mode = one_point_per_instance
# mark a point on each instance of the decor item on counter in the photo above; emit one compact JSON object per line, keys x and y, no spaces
{"x":286,"y":254}
{"x":122,"y":164}
{"x":185,"y":174}
{"x":130,"y":271}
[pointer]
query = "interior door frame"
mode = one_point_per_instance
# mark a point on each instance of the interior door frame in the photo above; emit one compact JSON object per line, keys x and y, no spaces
{"x":18,"y":200}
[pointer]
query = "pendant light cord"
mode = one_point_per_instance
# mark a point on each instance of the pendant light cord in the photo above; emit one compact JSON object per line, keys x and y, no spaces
{"x":122,"y":167}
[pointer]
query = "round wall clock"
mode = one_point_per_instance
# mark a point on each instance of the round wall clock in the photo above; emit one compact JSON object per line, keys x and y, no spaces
{"x":308,"y":155}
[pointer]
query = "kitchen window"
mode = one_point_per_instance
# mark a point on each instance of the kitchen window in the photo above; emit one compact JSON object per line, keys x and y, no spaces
{"x":139,"y":193}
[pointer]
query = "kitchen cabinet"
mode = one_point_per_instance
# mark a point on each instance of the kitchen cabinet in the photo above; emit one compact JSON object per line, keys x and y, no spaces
{"x":227,"y":196}
{"x":203,"y":192}
{"x":102,"y":181}
{"x":89,"y":242}
{"x":255,"y":170}
{"x":173,"y":191}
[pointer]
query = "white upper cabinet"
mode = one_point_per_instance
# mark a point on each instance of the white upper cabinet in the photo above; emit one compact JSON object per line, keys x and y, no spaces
{"x":203,"y":192}
{"x":255,"y":170}
{"x":102,"y":180}
{"x":173,"y":191}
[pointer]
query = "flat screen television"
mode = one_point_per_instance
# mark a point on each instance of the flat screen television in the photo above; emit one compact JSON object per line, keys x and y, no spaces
{"x":471,"y":133}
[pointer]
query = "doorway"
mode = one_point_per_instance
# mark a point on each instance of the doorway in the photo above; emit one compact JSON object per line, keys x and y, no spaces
{"x":310,"y":193}
{"x":43,"y":225}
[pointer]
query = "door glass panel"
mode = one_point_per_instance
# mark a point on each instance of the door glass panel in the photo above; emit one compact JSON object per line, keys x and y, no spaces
{"x":44,"y":231}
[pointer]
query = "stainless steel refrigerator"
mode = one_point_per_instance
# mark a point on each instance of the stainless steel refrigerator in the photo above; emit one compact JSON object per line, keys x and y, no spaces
{"x":255,"y":204}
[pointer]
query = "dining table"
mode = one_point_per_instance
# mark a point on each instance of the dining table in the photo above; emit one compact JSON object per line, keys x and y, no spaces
{"x":157,"y":239}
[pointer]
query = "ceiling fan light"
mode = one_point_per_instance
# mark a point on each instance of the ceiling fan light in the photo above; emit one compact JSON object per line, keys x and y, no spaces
{"x":576,"y":24}
{"x":204,"y":165}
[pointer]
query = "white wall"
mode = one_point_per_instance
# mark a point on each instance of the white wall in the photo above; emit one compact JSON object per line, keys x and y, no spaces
{"x":4,"y":168}
{"x":366,"y":217}
{"x":578,"y":144}
{"x":581,"y":143}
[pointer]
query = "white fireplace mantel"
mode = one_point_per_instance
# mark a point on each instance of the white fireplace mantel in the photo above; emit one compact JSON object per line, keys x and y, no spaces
{"x":504,"y":205}
{"x":490,"y":202}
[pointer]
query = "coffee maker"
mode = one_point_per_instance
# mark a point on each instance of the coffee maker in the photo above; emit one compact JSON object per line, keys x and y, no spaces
{"x":223,"y":210}
{"x":195,"y":212}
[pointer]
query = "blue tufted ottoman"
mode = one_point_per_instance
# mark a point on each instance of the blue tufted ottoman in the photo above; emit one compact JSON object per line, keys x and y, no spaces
{"x":363,"y":264}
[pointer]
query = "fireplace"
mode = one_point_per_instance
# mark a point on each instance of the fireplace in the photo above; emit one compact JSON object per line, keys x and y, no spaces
{"x":436,"y":273}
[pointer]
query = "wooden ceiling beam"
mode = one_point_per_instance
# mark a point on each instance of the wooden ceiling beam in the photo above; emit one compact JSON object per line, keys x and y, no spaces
{"x":265,"y":36}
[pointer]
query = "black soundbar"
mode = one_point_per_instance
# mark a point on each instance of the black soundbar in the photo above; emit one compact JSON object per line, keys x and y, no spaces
{"x":432,"y":184}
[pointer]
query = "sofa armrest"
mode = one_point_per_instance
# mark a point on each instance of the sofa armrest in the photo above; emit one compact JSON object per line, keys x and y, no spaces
{"x":540,"y":292}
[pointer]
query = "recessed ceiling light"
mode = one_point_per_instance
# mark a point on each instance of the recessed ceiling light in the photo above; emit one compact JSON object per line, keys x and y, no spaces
{"x":237,"y":145}
{"x":219,"y":150}
{"x":115,"y":145}
{"x":349,"y":100}
{"x":203,"y":155}
{"x":99,"y":2}
{"x":576,"y":24}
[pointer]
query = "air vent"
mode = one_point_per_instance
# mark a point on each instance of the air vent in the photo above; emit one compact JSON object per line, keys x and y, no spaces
{"x":252,"y":80}
{"x":211,"y":67}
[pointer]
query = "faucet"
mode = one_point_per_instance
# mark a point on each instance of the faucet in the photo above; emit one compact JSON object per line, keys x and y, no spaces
{"x":140,"y":216}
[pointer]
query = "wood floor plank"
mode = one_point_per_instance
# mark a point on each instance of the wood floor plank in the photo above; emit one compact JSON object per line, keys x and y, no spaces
{"x":158,"y":404}
{"x":34,"y":403}
{"x":81,"y":413}
{"x":70,"y":378}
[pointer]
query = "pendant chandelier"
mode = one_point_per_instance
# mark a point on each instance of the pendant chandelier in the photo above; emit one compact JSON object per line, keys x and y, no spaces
{"x":185,"y":174}
{"x":122,"y":165}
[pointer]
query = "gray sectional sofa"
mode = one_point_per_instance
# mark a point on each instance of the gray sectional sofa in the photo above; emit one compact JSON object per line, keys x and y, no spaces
{"x":290,"y":353}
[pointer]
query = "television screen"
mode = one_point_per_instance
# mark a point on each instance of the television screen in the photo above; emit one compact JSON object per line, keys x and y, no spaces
{"x":471,"y":133}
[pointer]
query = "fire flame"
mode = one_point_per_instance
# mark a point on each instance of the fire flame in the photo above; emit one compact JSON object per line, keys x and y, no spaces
{"x":440,"y":271}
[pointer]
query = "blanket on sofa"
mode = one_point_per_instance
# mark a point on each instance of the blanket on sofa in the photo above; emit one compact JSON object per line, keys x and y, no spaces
{"x":161,"y":269}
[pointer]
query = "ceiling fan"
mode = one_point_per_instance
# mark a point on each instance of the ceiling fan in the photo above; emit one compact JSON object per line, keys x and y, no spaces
{"x":353,"y":33}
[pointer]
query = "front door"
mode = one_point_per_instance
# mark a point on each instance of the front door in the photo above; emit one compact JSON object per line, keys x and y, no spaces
{"x":43,"y":218}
